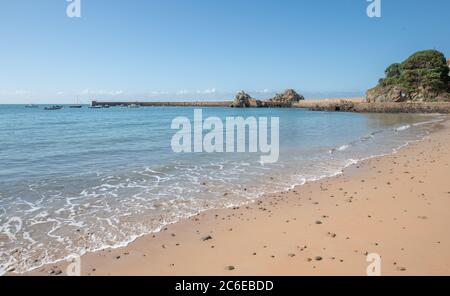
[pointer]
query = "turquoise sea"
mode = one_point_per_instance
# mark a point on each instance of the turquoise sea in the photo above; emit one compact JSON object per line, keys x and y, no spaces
{"x":79,"y":180}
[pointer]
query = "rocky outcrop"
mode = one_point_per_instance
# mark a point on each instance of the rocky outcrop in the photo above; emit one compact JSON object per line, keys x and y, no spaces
{"x":423,"y":77}
{"x":285,"y":99}
{"x":244,"y":100}
{"x":398,"y":94}
{"x":393,"y":93}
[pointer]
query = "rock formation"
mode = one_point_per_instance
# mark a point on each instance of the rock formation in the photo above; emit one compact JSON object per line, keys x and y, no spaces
{"x":423,"y":77}
{"x":286,"y":99}
{"x":244,"y":100}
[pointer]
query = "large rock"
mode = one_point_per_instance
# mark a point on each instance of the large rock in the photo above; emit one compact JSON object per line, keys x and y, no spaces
{"x":244,"y":100}
{"x":392,"y":93}
{"x":286,"y":99}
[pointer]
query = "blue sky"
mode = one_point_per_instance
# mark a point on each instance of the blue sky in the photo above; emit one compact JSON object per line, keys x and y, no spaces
{"x":207,"y":49}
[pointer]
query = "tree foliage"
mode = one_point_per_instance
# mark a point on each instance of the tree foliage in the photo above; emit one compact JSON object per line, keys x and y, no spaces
{"x":424,"y":70}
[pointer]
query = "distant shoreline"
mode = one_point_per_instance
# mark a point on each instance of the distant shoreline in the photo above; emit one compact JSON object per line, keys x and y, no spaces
{"x":356,"y":104}
{"x":345,"y":104}
{"x":303,"y":104}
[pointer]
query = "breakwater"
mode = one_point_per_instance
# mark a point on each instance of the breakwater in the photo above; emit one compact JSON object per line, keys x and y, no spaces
{"x":357,"y":105}
{"x":164,"y":104}
{"x":364,"y":107}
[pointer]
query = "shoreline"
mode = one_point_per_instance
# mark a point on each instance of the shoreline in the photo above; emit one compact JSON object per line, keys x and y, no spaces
{"x":153,"y":253}
{"x":351,"y":104}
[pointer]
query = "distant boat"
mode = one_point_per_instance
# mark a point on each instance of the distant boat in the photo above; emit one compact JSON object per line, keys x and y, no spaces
{"x":31,"y":106}
{"x":95,"y":107}
{"x":77,"y":106}
{"x":54,"y":107}
{"x":133,"y":106}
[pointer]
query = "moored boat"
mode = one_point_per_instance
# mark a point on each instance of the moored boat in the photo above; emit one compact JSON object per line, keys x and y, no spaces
{"x":77,"y":105}
{"x":54,"y":107}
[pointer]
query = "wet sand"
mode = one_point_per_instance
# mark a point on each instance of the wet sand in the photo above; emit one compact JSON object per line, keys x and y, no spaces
{"x":397,"y":206}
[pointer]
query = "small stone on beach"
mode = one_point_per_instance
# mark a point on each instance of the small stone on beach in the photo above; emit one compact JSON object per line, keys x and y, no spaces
{"x":207,"y":238}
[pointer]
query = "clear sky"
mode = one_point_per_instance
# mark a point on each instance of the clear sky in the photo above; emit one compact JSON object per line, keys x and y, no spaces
{"x":207,"y":49}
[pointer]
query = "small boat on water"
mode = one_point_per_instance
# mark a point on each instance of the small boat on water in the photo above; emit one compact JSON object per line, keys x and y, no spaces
{"x":31,"y":106}
{"x":54,"y":107}
{"x":133,"y":106}
{"x":95,"y":107}
{"x":77,"y":105}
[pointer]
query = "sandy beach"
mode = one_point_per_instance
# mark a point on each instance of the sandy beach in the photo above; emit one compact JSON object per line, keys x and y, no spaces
{"x":396,"y":206}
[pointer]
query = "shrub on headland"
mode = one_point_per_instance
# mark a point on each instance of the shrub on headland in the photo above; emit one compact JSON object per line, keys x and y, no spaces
{"x":423,"y":77}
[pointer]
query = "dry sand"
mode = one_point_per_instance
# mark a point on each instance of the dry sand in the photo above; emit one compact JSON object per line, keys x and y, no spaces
{"x":397,"y":206}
